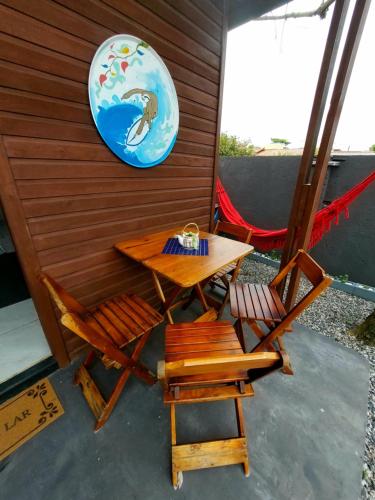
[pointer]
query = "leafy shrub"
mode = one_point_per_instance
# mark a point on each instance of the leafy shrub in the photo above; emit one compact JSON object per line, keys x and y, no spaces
{"x":231,"y":145}
{"x":366,"y":330}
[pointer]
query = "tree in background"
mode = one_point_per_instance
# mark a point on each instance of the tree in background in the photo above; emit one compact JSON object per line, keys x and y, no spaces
{"x":231,"y":145}
{"x":372,"y":148}
{"x":285,"y":142}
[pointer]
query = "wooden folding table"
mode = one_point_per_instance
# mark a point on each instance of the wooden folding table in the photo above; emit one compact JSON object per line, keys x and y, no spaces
{"x":185,"y":271}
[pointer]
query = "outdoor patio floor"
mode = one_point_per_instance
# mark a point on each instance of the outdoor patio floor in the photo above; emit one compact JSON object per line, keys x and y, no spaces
{"x":306,"y":436}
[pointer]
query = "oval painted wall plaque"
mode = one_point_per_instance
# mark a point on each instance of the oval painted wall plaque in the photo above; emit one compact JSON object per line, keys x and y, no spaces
{"x":133,"y":101}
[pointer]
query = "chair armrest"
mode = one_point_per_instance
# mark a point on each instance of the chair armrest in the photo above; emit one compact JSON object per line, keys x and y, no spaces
{"x":199,"y":366}
{"x":284,"y":271}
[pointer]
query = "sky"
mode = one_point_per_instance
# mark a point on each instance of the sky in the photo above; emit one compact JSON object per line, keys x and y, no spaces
{"x":271,"y":73}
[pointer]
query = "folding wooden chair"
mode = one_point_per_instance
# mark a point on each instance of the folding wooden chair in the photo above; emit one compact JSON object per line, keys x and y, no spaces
{"x":251,"y":303}
{"x":205,"y":362}
{"x":108,"y":327}
{"x":227,"y":274}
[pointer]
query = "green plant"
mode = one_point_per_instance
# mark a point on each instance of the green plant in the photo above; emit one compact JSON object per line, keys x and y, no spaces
{"x":344,"y":278}
{"x":231,"y":145}
{"x":372,"y":148}
{"x":366,"y":330}
{"x":274,"y":254}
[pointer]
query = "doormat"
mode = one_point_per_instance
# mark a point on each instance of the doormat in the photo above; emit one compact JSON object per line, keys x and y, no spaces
{"x":27,"y":414}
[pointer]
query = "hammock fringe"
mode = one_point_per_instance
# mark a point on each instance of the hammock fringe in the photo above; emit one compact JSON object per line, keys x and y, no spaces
{"x":268,"y":239}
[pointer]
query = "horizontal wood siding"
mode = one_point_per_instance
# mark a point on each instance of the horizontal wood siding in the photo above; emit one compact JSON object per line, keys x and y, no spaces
{"x":75,"y":198}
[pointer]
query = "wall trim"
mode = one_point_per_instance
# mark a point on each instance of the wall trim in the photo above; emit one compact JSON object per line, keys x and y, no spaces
{"x":28,"y":259}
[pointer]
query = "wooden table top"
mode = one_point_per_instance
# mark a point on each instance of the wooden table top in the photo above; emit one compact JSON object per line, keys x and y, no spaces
{"x":183,"y":270}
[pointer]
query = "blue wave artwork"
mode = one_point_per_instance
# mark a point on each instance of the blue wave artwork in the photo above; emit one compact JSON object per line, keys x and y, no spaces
{"x":133,"y":101}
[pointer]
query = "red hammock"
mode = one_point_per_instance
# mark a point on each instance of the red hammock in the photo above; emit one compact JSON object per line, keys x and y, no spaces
{"x":267,"y":239}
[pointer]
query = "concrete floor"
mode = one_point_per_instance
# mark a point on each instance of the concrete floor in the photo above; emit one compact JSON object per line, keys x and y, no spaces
{"x":306,"y":437}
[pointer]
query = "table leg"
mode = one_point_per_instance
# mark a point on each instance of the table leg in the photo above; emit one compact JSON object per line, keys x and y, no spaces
{"x":168,"y":304}
{"x":161,"y":296}
{"x":201,"y":296}
{"x":190,"y":299}
{"x":212,"y":302}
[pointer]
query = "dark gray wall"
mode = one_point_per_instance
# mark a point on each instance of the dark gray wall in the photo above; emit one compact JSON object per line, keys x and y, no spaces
{"x":261,"y":188}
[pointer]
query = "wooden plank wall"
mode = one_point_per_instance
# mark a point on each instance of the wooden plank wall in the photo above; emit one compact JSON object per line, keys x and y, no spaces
{"x":71,"y":195}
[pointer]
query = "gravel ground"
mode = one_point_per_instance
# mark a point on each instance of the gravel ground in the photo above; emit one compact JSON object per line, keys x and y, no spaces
{"x":333,"y":314}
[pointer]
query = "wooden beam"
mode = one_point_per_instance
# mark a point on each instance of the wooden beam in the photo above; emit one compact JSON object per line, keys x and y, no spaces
{"x":320,"y":99}
{"x":302,"y":215}
{"x":219,"y":110}
{"x":28,"y":259}
{"x":334,"y":113}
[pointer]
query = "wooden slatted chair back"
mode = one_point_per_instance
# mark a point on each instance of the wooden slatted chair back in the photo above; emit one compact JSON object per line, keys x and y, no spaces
{"x":310,"y":268}
{"x":236,"y":232}
{"x":307,"y":299}
{"x":313,"y":272}
{"x":72,"y":314}
{"x":63,"y":300}
{"x":319,"y":280}
{"x":228,"y":274}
